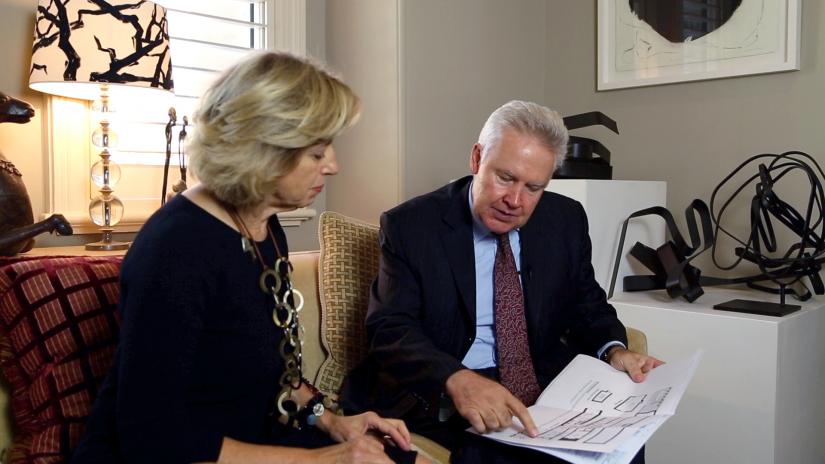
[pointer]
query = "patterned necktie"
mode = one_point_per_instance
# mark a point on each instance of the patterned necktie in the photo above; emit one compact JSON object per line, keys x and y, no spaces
{"x":515,"y":365}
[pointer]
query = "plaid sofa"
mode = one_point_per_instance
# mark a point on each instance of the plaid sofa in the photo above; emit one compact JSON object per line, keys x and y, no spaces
{"x":58,"y":333}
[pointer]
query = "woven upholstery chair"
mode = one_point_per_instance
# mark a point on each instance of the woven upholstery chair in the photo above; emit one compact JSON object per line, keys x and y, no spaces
{"x":347,"y":266}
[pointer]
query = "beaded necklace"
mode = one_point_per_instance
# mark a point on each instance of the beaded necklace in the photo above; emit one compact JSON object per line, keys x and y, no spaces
{"x":276,"y":282}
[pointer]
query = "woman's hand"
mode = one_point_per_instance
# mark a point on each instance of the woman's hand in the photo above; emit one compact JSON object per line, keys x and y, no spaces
{"x":350,"y":428}
{"x":366,"y":449}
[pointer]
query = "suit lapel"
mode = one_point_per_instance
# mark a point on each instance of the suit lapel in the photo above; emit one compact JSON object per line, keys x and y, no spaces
{"x":457,"y":238}
{"x":539,"y":252}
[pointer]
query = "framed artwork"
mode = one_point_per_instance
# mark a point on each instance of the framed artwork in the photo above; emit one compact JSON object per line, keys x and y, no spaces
{"x":650,"y":42}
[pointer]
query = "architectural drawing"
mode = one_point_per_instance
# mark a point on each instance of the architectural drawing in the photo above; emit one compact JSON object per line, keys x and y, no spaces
{"x":629,"y":404}
{"x":591,"y":407}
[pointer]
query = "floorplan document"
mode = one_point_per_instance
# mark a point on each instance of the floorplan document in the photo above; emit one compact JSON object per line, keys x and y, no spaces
{"x":592,"y":413}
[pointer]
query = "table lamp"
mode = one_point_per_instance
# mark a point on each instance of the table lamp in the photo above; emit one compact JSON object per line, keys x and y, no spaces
{"x":101,"y":50}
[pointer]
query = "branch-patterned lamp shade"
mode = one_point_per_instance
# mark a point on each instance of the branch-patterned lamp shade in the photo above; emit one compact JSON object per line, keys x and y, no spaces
{"x":79,"y":44}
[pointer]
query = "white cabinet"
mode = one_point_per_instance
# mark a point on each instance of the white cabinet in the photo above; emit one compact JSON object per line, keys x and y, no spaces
{"x":758,"y":395}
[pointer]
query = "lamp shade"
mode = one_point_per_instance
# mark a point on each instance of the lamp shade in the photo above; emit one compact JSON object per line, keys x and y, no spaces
{"x":80,"y":44}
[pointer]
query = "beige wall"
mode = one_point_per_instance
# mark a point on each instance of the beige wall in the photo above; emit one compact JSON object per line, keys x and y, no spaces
{"x":22,"y":144}
{"x":461,"y":60}
{"x":363,"y":46}
{"x":305,"y":237}
{"x":457,"y":60}
{"x":429,"y":72}
{"x":690,"y":134}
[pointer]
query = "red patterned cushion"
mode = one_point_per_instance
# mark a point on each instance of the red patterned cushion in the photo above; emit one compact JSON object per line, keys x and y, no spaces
{"x":59,"y":327}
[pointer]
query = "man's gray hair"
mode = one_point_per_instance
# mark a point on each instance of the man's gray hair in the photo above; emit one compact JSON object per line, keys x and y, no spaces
{"x":527,"y":118}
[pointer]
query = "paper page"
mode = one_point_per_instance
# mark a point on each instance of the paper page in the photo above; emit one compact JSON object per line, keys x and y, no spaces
{"x":587,"y":430}
{"x":590,"y":383}
{"x":594,"y":408}
{"x":622,"y":455}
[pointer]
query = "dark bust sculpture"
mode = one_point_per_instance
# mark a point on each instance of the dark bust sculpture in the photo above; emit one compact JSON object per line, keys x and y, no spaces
{"x":17,"y":227}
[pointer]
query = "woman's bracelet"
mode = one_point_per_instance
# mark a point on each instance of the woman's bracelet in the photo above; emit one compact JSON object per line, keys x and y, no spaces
{"x":312,"y":411}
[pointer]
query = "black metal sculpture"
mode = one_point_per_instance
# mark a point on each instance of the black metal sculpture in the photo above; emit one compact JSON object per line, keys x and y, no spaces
{"x":586,"y":158}
{"x":180,"y":185}
{"x":173,"y":118}
{"x":670,"y":263}
{"x":17,"y":227}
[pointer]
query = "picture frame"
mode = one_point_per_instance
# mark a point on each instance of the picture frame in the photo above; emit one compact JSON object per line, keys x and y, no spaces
{"x":759,"y":36}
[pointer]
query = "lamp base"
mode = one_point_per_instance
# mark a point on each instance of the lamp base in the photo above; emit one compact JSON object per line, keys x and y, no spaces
{"x":107,"y":246}
{"x":763,"y":308}
{"x":106,"y":243}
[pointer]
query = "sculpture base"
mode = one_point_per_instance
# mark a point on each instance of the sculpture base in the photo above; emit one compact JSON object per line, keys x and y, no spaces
{"x":763,"y":308}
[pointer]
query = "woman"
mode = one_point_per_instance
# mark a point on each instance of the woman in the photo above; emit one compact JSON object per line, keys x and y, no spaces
{"x":209,"y":356}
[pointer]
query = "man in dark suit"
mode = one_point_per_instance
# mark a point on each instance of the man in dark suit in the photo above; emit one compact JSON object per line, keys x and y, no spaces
{"x":485,"y":292}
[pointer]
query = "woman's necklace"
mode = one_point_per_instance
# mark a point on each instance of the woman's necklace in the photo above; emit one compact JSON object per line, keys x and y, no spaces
{"x":276,"y":282}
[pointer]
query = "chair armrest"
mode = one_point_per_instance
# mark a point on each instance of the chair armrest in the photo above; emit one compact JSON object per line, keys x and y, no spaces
{"x":430,"y":449}
{"x":636,"y":340}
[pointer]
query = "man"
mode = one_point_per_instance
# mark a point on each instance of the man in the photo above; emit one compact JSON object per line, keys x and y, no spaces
{"x":485,"y":292}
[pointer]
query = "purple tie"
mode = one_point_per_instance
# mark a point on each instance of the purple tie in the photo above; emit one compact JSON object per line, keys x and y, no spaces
{"x":515,"y":366}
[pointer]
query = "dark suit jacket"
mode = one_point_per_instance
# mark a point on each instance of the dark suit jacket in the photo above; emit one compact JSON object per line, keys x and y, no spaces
{"x":422,"y":313}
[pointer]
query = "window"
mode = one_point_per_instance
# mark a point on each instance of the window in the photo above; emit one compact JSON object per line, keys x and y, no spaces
{"x":207,"y":36}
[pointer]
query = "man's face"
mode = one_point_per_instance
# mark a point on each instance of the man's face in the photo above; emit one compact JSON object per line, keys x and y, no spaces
{"x":510,"y":179}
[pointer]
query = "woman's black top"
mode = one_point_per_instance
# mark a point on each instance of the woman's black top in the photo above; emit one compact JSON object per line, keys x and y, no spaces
{"x":198,"y":355}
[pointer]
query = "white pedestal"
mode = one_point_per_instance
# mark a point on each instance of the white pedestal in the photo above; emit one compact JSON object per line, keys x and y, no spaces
{"x":758,"y":395}
{"x":608,"y":203}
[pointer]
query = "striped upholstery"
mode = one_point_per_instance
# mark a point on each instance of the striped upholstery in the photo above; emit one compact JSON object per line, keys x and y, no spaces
{"x":348,"y":265}
{"x":58,"y":333}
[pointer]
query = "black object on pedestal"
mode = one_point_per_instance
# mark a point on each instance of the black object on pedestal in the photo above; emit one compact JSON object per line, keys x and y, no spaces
{"x":586,"y":158}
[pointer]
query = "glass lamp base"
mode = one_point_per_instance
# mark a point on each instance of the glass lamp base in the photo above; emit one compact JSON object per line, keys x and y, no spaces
{"x":107,"y":244}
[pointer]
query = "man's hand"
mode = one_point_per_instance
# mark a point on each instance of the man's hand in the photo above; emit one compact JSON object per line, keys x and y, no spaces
{"x":486,"y":404}
{"x":637,"y":365}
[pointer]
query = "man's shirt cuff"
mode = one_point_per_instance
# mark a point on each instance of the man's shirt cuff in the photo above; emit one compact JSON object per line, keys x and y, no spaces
{"x":607,"y":346}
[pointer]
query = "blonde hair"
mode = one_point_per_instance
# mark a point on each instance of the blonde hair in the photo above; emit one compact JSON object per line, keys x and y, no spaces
{"x":258,"y":117}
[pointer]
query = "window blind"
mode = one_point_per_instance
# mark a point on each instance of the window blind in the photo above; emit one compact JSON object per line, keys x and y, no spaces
{"x":206,"y":37}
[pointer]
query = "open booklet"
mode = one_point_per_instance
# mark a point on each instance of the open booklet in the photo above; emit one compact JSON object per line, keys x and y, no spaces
{"x":592,"y":413}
